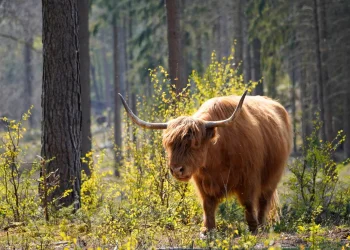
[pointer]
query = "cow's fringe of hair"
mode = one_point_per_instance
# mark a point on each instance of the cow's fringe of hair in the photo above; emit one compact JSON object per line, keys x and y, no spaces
{"x":275,"y":209}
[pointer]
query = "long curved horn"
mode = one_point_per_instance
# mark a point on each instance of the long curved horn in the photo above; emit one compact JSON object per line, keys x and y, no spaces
{"x":223,"y":123}
{"x":140,"y":122}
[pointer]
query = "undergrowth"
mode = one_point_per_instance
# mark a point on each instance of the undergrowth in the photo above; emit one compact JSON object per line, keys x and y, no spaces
{"x":146,"y":208}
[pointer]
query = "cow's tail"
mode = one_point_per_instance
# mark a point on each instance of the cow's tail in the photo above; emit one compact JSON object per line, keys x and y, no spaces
{"x":275,"y":209}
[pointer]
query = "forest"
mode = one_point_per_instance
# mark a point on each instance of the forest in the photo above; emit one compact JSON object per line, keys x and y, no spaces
{"x":82,"y":81}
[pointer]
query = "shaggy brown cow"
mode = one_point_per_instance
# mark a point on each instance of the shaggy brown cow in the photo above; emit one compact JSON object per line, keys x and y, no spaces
{"x":244,"y":154}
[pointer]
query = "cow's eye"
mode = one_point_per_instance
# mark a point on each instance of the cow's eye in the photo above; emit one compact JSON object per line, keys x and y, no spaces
{"x":189,"y":134}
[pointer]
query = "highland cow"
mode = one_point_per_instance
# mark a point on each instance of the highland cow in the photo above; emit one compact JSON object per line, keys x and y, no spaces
{"x":226,"y":148}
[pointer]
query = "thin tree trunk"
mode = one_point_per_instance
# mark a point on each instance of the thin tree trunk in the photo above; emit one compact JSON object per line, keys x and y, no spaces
{"x":327,"y":102}
{"x":176,"y":65}
{"x":199,"y":54}
{"x":346,"y":111}
{"x":108,"y":87}
{"x":294,"y":118}
{"x":83,"y":12}
{"x":117,"y":115}
{"x":122,"y":64}
{"x":256,"y":69}
{"x":246,"y":46}
{"x":305,"y":107}
{"x":320,"y":83}
{"x":224,"y":40}
{"x":99,"y":76}
{"x":237,"y":32}
{"x":125,"y":55}
{"x":61,"y":106}
{"x":346,"y":103}
{"x":217,"y":35}
{"x":28,"y":86}
{"x":130,"y":67}
{"x":271,"y":87}
{"x":94,"y":83}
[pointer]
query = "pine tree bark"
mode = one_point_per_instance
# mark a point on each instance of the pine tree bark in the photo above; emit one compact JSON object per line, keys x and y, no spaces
{"x":117,"y":104}
{"x":176,"y":62}
{"x":83,"y":14}
{"x":346,"y":104}
{"x":320,"y":83}
{"x":346,"y":111}
{"x":61,"y":103}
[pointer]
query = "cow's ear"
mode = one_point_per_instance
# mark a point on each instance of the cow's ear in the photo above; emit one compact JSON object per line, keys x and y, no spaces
{"x":210,"y":133}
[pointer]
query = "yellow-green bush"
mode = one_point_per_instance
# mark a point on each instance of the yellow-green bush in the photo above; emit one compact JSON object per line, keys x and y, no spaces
{"x":145,"y":207}
{"x":17,"y":199}
{"x":158,"y":208}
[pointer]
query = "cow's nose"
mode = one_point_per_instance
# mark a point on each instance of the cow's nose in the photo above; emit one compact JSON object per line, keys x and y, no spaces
{"x":177,"y":170}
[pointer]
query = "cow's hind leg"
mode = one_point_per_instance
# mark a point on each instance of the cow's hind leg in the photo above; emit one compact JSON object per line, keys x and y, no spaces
{"x":264,"y":206}
{"x":251,"y":216}
{"x":249,"y":200}
{"x":269,"y":206}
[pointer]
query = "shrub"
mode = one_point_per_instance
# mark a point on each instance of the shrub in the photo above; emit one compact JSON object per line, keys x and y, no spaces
{"x":17,"y":192}
{"x":314,"y":180}
{"x":152,"y":201}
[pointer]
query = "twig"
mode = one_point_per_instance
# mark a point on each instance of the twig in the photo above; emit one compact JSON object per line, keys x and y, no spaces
{"x":18,"y":40}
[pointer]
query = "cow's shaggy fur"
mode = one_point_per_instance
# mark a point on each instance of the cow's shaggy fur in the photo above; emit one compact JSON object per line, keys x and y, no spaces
{"x":246,"y":158}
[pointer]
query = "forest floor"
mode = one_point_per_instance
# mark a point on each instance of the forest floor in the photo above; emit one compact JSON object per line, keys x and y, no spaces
{"x":331,"y":239}
{"x":337,"y":238}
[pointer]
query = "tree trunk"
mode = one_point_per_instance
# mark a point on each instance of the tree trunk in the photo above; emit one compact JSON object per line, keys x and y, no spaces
{"x":224,"y":40}
{"x":94,"y":83}
{"x":320,"y":83}
{"x":176,"y":65}
{"x":255,"y":69}
{"x":61,"y":124}
{"x":346,"y":103}
{"x":245,"y":45}
{"x":100,"y":77}
{"x":108,"y":87}
{"x":237,"y":32}
{"x":346,"y":111}
{"x":28,"y":80}
{"x":122,"y":64}
{"x":305,"y":106}
{"x":327,"y":102}
{"x":130,"y":67}
{"x":271,"y":86}
{"x":294,"y":118}
{"x":83,"y":12}
{"x":125,"y":56}
{"x":117,"y":115}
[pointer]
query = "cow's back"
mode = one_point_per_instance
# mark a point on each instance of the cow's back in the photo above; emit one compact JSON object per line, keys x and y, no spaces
{"x":254,"y":148}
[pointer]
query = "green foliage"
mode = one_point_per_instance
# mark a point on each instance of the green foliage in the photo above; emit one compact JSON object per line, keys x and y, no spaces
{"x":219,"y":79}
{"x":315,"y":178}
{"x":152,"y":201}
{"x":145,"y":208}
{"x":16,"y":177}
{"x":314,"y":232}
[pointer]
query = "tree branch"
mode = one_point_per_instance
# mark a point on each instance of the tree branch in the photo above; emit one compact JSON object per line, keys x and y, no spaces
{"x":20,"y":41}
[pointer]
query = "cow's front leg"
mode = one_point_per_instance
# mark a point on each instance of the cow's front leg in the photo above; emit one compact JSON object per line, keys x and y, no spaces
{"x":209,"y":207}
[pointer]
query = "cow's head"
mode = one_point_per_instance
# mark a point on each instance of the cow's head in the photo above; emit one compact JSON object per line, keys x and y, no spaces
{"x":186,"y":140}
